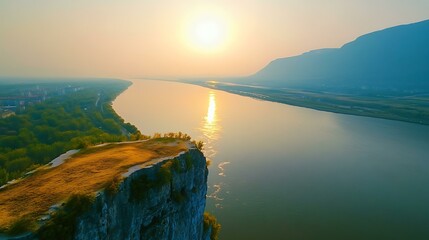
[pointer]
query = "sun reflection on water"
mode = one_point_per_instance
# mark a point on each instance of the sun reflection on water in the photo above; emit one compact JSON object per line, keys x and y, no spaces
{"x":210,"y":127}
{"x":211,"y":130}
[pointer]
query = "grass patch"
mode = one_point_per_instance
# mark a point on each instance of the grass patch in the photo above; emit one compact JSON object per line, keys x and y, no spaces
{"x":91,"y":150}
{"x":165,"y":140}
{"x":210,"y":221}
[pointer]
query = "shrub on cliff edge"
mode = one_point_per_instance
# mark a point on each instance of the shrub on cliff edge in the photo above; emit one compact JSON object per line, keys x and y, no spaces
{"x":210,"y":221}
{"x":21,"y":226}
{"x":62,"y":225}
{"x":112,"y":187}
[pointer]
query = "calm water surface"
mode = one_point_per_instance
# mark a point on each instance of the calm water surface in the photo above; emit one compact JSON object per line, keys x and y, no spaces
{"x":284,"y":172}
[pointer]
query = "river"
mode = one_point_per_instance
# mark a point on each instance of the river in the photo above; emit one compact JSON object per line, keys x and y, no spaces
{"x":285,"y":172}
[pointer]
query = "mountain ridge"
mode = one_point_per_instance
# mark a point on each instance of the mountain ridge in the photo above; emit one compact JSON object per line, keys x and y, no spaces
{"x":389,"y":59}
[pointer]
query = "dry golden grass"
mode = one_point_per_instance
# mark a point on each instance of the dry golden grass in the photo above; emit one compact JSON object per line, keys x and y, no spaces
{"x":85,"y":173}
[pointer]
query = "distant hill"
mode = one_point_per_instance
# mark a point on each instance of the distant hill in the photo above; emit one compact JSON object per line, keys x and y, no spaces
{"x":396,"y":58}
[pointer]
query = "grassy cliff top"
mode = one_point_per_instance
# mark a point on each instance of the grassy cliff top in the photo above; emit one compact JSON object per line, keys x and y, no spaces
{"x":86,"y":172}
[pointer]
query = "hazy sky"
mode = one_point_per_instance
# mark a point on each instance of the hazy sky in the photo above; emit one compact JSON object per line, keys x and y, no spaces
{"x":132,"y":38}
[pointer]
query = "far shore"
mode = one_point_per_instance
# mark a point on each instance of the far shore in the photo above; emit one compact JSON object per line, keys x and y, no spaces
{"x":406,"y":108}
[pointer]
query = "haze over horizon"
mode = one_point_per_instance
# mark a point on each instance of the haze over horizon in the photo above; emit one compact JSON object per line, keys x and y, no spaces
{"x":186,"y":38}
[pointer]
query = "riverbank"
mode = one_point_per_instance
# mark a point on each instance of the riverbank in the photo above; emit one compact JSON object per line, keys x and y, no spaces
{"x":411,"y":108}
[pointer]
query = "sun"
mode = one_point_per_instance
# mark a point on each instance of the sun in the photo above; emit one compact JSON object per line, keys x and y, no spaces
{"x":207,"y":32}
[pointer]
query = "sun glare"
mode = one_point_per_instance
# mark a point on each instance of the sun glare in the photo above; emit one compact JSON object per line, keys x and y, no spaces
{"x":207,"y":32}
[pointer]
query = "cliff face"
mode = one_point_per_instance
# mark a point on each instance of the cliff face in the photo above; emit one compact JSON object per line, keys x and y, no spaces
{"x":171,"y":210}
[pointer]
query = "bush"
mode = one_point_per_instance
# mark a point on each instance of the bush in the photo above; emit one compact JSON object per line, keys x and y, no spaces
{"x":176,"y":165}
{"x":18,"y":165}
{"x":164,"y":174}
{"x":112,"y":187}
{"x":21,"y":226}
{"x":210,"y":221}
{"x":199,"y":145}
{"x":3,"y":176}
{"x":62,"y":225}
{"x":156,"y":135}
{"x":139,"y":187}
{"x":188,"y":161}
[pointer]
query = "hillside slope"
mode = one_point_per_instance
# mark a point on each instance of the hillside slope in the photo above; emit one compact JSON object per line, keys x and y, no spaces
{"x":390,"y":59}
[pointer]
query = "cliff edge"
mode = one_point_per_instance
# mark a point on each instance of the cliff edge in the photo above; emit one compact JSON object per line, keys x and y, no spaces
{"x":154,"y":189}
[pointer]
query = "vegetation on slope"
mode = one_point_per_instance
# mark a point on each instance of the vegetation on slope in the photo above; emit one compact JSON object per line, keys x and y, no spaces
{"x":141,"y":185}
{"x":75,"y":120}
{"x":62,"y":225}
{"x":210,"y":221}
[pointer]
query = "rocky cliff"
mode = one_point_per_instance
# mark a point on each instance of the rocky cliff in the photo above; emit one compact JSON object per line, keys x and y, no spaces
{"x":163,"y":201}
{"x":152,"y":189}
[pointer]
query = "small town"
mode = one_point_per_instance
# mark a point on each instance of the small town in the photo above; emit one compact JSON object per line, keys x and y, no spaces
{"x":14,"y":100}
